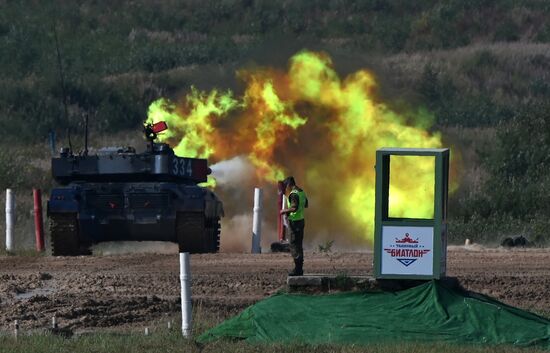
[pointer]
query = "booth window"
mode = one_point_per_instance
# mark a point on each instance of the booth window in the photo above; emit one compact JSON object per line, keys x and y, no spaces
{"x":411,"y":187}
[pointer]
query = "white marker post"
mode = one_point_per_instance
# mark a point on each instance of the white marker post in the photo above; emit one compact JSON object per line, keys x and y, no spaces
{"x":257,"y":222}
{"x":10,"y":219}
{"x":185,"y":280}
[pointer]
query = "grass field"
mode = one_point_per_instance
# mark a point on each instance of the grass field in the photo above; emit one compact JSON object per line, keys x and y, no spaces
{"x":162,"y":339}
{"x":171,"y":341}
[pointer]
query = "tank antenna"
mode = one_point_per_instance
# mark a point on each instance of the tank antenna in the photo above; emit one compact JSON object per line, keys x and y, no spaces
{"x":86,"y":134}
{"x":63,"y":91}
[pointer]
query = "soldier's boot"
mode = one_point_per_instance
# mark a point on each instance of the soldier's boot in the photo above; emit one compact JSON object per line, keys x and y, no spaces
{"x":298,"y":269}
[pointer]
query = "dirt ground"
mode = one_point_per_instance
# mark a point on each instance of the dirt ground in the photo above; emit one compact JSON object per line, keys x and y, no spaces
{"x":130,"y":291}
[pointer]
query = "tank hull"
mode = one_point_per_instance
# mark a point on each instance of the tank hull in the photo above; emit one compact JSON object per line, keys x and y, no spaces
{"x":139,"y":211}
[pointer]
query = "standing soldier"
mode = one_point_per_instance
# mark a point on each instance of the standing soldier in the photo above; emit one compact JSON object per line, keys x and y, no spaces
{"x":297,"y":202}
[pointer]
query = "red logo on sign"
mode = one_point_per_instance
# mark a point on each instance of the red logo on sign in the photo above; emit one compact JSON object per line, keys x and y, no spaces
{"x":406,"y":250}
{"x":406,"y":240}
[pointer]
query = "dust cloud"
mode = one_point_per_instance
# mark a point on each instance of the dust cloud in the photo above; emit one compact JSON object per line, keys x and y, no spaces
{"x":135,"y":247}
{"x":236,"y":235}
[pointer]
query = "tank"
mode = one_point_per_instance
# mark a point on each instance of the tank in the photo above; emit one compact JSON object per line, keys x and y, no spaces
{"x":120,"y":195}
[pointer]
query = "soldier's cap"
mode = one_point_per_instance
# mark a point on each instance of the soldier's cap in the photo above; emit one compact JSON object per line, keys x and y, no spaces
{"x":289,"y":181}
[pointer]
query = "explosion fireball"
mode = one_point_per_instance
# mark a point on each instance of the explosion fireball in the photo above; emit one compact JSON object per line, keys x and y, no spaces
{"x":323,"y":129}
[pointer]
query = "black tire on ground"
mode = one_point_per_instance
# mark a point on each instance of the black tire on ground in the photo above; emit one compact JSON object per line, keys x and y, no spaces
{"x":191,"y":232}
{"x":65,"y":236}
{"x":520,"y":241}
{"x":508,"y":242}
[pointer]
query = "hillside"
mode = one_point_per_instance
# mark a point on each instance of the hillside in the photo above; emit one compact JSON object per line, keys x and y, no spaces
{"x":481,"y":67}
{"x":118,"y":57}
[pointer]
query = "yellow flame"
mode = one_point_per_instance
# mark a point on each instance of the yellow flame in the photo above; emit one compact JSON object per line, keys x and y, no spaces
{"x":312,"y":124}
{"x":411,"y":175}
{"x":194,"y":121}
{"x":272,"y":115}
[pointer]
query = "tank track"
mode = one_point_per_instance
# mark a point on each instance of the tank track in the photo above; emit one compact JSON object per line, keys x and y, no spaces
{"x":65,"y":239}
{"x":214,"y":230}
{"x":194,"y":236}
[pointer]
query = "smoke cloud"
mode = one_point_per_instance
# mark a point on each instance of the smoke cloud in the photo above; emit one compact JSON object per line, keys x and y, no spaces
{"x":233,"y":172}
{"x":236,"y":234}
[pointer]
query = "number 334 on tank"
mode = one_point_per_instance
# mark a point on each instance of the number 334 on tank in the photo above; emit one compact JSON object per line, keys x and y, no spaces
{"x":182,"y":167}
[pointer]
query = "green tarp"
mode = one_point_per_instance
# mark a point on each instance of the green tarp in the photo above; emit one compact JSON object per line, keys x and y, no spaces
{"x":429,"y":312}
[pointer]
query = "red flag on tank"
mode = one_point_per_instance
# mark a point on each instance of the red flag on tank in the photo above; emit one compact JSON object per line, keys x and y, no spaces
{"x":159,"y":127}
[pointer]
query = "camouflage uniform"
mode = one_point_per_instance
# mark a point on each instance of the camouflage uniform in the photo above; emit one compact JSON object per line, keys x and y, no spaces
{"x":296,"y":229}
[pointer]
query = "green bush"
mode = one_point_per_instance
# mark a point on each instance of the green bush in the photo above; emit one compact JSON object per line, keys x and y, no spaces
{"x":485,"y":230}
{"x":18,"y":171}
{"x":480,"y":62}
{"x":507,"y":31}
{"x":471,"y":110}
{"x":429,"y":85}
{"x":544,"y":34}
{"x":516,"y":194}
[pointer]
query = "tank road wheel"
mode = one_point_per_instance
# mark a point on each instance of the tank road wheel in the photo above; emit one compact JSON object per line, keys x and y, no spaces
{"x":65,"y":235}
{"x":191,"y":232}
{"x":213,"y":234}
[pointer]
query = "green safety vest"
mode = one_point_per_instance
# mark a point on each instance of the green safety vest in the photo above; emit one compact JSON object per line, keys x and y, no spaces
{"x":299,"y":214}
